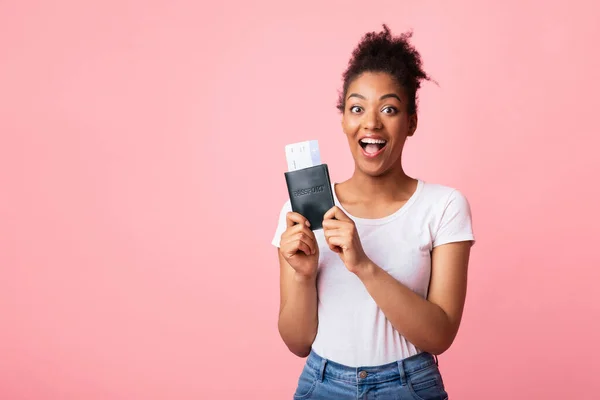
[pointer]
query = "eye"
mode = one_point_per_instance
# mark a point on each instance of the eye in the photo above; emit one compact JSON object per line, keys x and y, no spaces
{"x":355,"y":109}
{"x":390,"y":110}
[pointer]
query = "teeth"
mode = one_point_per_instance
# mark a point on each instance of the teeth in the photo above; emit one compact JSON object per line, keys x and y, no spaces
{"x":373,"y":141}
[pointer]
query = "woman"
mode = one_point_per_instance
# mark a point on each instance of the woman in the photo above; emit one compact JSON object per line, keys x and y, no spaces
{"x":378,"y":293}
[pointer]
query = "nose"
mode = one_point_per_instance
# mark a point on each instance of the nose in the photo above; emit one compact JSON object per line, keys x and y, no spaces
{"x":371,"y":120}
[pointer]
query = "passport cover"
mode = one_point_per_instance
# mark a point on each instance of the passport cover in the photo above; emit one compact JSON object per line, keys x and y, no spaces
{"x":310,"y":192}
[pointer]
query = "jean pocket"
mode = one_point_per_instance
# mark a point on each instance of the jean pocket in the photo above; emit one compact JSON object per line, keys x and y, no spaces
{"x":427,"y":384}
{"x":306,"y":383}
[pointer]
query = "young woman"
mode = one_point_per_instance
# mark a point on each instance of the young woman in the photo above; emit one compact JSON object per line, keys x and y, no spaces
{"x":373,"y":297}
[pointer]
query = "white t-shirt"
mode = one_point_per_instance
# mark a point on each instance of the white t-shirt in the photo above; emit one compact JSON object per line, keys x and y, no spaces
{"x":352,"y":329}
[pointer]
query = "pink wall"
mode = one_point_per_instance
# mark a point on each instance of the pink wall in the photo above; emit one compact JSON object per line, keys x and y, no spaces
{"x":135,"y":256}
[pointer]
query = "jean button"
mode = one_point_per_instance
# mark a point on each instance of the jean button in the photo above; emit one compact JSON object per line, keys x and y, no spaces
{"x":362,"y":374}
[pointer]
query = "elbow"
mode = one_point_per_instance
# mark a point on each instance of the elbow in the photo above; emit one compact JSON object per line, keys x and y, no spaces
{"x":300,"y":351}
{"x":442,"y":336}
{"x":441,"y":343}
{"x":298,"y":346}
{"x":439,"y":349}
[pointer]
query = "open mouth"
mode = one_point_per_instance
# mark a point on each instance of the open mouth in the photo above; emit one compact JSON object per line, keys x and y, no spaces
{"x":372,"y":147}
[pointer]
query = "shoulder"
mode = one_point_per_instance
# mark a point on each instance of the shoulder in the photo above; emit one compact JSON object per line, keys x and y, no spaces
{"x":281,"y":222}
{"x":285,"y":208}
{"x":450,"y":212}
{"x":439,"y":195}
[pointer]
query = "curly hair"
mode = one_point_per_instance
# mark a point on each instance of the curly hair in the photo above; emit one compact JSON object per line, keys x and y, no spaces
{"x":382,"y":52}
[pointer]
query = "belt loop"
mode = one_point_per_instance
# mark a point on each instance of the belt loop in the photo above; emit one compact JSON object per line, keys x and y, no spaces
{"x":322,"y":369}
{"x":436,"y":359}
{"x":401,"y":371}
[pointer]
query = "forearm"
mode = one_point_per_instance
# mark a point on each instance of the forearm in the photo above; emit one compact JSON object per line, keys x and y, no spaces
{"x":298,"y":317}
{"x":420,"y":321}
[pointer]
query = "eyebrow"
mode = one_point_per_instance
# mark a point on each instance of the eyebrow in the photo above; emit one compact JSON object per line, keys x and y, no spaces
{"x":385,"y":96}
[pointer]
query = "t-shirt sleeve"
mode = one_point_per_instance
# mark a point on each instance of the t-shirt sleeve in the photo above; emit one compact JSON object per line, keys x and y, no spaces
{"x":456,"y":222}
{"x":281,"y":224}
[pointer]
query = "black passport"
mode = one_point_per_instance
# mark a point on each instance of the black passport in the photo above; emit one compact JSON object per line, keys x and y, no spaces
{"x":311,"y":194}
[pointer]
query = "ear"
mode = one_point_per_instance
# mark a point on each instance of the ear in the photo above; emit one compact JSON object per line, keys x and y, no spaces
{"x":413,"y":121}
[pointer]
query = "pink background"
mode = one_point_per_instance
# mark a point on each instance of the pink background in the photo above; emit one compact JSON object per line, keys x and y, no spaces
{"x":141,"y":176}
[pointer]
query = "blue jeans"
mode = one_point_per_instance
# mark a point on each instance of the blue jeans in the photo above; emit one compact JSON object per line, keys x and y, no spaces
{"x":414,"y":378}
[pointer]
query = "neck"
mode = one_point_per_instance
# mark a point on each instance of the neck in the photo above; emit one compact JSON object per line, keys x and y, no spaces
{"x":390,"y":185}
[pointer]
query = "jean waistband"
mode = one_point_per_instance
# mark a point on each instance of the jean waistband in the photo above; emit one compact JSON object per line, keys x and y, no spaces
{"x":400,"y":369}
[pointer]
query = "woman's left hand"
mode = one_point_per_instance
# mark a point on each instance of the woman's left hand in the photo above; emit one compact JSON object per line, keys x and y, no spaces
{"x":342,"y":237}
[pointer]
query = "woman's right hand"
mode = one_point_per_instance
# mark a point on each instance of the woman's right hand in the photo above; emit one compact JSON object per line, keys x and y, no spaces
{"x":299,"y":246}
